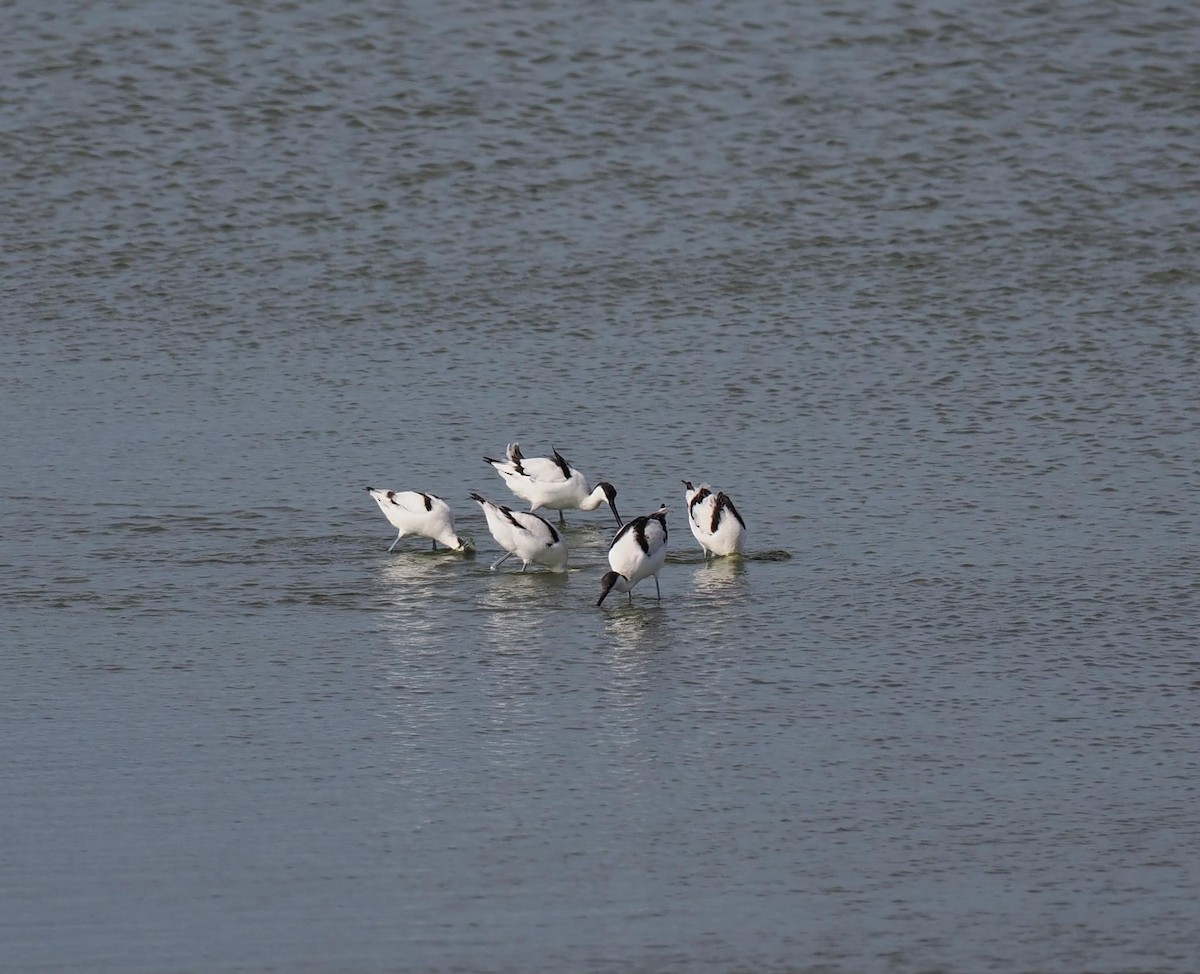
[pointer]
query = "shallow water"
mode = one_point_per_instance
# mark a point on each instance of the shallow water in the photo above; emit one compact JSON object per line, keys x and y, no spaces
{"x":916,"y":289}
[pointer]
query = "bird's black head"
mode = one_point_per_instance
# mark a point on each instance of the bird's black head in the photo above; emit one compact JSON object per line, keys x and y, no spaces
{"x":606,"y":585}
{"x":611,"y":493}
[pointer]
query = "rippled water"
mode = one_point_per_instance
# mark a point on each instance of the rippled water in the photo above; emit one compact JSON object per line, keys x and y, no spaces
{"x":916,"y":285}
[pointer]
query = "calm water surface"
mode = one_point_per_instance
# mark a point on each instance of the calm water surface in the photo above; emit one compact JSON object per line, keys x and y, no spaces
{"x":916,"y":285}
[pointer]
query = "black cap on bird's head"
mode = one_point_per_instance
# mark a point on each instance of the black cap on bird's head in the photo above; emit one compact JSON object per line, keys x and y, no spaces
{"x":606,"y":585}
{"x":687,"y":485}
{"x":611,"y":493}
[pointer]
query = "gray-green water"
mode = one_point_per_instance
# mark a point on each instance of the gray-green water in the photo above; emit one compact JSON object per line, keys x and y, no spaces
{"x":916,"y":285}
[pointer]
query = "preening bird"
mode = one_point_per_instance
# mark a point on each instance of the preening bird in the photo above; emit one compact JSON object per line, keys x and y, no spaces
{"x":714,"y":521}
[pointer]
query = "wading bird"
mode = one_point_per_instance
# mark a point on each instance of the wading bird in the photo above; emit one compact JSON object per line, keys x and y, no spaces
{"x":416,"y":512}
{"x":714,"y":521}
{"x":637,"y":551}
{"x":531,"y":538}
{"x":552,"y":483}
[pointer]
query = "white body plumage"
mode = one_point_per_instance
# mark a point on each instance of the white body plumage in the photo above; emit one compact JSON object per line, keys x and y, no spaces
{"x":714,"y":521}
{"x":420,"y":513}
{"x":637,"y":551}
{"x":552,"y":483}
{"x":531,"y":538}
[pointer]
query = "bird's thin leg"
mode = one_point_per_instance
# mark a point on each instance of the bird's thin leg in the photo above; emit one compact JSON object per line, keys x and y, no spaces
{"x":561,"y":517}
{"x":631,"y":596}
{"x":396,"y":542}
{"x":657,"y":590}
{"x":499,"y":561}
{"x":524,"y":565}
{"x":434,"y":548}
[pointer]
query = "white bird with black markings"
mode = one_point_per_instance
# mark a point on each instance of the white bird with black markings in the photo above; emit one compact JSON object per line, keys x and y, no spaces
{"x":638,"y":551}
{"x":420,"y":513}
{"x":531,"y":538}
{"x":551,"y":482}
{"x":714,"y":521}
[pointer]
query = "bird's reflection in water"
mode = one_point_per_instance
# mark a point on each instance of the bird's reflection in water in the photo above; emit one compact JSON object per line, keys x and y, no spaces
{"x":637,"y":629}
{"x":518,"y":679}
{"x":519,"y":607}
{"x":639,"y":652}
{"x":638,"y":639}
{"x":416,"y":592}
{"x":720,"y":578}
{"x":417,"y":571}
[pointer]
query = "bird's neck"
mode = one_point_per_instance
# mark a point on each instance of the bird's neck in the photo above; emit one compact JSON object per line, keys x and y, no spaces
{"x":594,"y":500}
